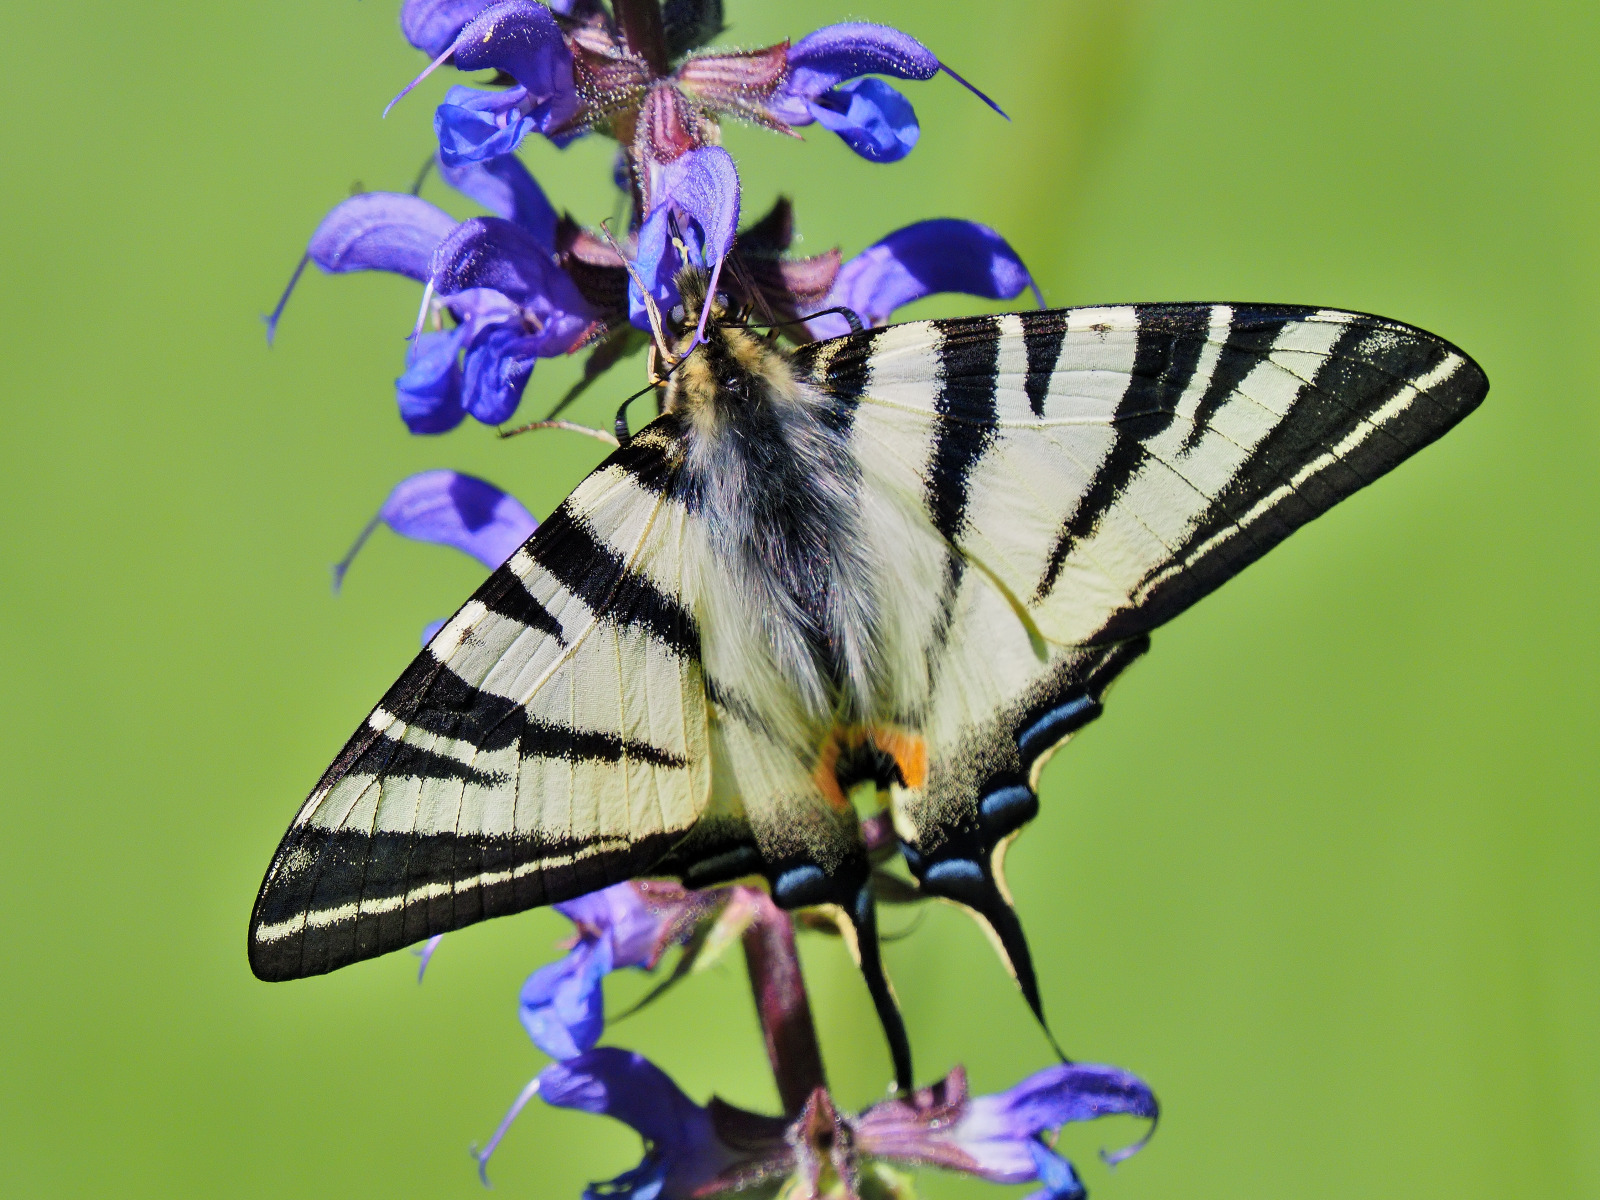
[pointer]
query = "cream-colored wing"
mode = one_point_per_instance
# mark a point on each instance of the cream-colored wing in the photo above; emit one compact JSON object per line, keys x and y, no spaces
{"x":551,"y":739}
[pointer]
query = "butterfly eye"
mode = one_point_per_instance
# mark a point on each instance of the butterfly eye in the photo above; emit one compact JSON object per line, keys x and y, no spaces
{"x":724,"y":301}
{"x":677,"y":314}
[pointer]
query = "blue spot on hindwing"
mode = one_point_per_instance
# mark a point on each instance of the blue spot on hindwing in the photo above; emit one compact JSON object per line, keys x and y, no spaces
{"x":800,"y":886}
{"x":1056,"y":724}
{"x":1006,"y":809}
{"x":954,"y":873}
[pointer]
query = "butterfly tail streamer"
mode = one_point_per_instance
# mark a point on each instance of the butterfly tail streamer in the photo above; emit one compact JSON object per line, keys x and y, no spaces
{"x":863,"y":914}
{"x":981,"y":894}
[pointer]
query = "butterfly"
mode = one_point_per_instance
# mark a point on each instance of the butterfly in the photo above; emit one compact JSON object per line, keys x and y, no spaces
{"x":899,"y":567}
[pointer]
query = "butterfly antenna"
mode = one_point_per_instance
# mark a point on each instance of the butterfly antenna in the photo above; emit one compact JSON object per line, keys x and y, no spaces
{"x":852,"y":318}
{"x":621,"y":422}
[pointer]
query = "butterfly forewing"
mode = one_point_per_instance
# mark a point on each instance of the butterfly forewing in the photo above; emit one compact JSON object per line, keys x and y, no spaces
{"x":550,"y":740}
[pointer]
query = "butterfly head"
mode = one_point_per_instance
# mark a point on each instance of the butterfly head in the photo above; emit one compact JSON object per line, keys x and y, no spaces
{"x":718,"y":363}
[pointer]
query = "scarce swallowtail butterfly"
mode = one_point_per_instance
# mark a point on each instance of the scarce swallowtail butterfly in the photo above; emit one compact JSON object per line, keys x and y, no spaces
{"x":911,"y":559}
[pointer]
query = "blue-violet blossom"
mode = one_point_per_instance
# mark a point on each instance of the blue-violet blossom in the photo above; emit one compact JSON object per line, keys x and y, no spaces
{"x":704,"y":1151}
{"x":575,"y":70}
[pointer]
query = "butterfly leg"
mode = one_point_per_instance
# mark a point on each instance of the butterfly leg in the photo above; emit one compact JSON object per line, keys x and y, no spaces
{"x":848,"y":888}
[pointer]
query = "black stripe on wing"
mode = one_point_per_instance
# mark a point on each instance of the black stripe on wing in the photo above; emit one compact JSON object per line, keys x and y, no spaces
{"x":400,"y":902}
{"x":1042,"y":336}
{"x":568,"y":547}
{"x":1251,"y":334}
{"x":1323,"y":450}
{"x":839,"y":368}
{"x":333,"y":897}
{"x":1167,"y":348}
{"x":968,"y":352}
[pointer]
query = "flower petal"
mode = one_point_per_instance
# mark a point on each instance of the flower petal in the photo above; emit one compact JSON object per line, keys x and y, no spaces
{"x":375,"y":231}
{"x":873,"y":119}
{"x":705,"y":185}
{"x":942,"y":255}
{"x":506,"y":188}
{"x":997,"y":1130}
{"x":496,"y":372}
{"x":522,"y":39}
{"x":432,"y":25}
{"x":452,"y":509}
{"x":656,"y":263}
{"x":629,"y":1088}
{"x":490,"y":252}
{"x":562,"y":1004}
{"x":429,"y":393}
{"x":623,"y":917}
{"x":1060,"y":1181}
{"x":826,"y":58}
{"x":380,"y":231}
{"x":702,"y":189}
{"x":476,"y":126}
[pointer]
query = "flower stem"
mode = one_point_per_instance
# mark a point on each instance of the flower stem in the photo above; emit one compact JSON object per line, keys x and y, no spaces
{"x":782,"y":1005}
{"x":642,"y":28}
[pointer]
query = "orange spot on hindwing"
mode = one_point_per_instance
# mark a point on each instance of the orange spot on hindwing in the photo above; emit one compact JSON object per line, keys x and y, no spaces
{"x":857,"y":753}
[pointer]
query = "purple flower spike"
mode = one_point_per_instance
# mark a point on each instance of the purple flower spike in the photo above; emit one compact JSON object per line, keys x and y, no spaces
{"x":873,"y":119}
{"x":375,"y":231}
{"x":931,"y":256}
{"x":701,"y":189}
{"x":451,"y":509}
{"x":432,"y":26}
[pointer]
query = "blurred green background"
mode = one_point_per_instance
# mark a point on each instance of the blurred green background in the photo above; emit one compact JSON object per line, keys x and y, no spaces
{"x":1326,"y":872}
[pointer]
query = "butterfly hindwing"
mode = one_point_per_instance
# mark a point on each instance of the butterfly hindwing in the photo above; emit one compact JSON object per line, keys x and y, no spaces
{"x":550,"y":740}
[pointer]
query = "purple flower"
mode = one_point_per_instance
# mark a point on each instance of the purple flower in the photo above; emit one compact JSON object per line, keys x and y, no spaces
{"x":697,"y":201}
{"x":715,"y":1150}
{"x":432,"y":26}
{"x":375,"y":231}
{"x":685,"y":1152}
{"x":626,"y":925}
{"x":828,"y":83}
{"x":514,"y":305}
{"x":518,"y":38}
{"x":450,"y":509}
{"x":498,"y":278}
{"x":920,"y":260}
